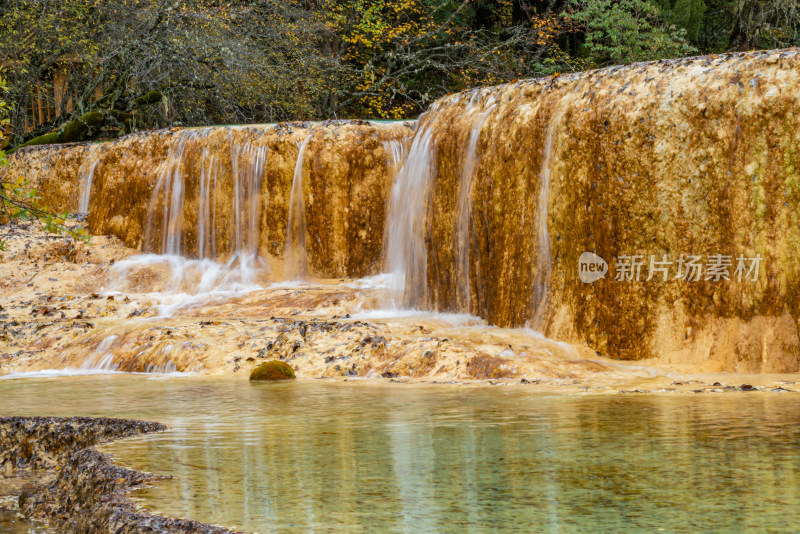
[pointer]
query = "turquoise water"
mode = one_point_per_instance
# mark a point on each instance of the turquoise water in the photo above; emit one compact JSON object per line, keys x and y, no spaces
{"x":318,"y":456}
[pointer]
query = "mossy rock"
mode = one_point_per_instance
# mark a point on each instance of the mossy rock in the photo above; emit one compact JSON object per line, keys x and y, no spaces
{"x":46,"y":139}
{"x":153,"y":97}
{"x":77,"y":129}
{"x":274,"y":370}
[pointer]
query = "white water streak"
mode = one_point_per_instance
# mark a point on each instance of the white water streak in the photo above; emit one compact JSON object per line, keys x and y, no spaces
{"x":101,"y":359}
{"x":205,"y":227}
{"x":169,"y":190}
{"x":247,"y":163}
{"x":296,"y":258}
{"x":86,"y":177}
{"x":466,"y":187}
{"x":405,"y":253}
{"x":543,"y":261}
{"x":193,"y":281}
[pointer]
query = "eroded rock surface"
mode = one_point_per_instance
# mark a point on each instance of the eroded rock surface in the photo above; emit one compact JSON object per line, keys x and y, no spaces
{"x":58,"y":314}
{"x":78,"y":489}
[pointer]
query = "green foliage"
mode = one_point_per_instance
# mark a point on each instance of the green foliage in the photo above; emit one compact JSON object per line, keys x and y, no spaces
{"x":724,"y":25}
{"x":20,"y":202}
{"x":397,"y":56}
{"x":764,"y":24}
{"x":686,"y":14}
{"x":624,"y":31}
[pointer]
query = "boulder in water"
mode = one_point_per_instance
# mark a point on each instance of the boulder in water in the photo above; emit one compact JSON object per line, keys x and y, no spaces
{"x":273,"y":370}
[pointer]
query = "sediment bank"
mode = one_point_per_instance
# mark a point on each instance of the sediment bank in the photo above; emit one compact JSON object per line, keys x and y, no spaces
{"x":74,"y":488}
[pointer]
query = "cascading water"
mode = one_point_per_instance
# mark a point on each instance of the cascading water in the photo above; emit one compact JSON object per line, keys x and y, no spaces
{"x":481,"y":111}
{"x":169,"y":194}
{"x":194,"y":280}
{"x":396,"y":155}
{"x":247,"y":163}
{"x":86,"y":175}
{"x":207,"y":208}
{"x":405,"y":253}
{"x":296,"y":258}
{"x":101,"y":359}
{"x":543,"y":263}
{"x":496,"y":201}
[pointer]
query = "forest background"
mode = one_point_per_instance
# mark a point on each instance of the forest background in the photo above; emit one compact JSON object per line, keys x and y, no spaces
{"x":104,"y":68}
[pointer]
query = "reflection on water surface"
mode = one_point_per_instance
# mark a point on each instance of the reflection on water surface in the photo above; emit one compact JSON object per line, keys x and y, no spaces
{"x":322,"y":456}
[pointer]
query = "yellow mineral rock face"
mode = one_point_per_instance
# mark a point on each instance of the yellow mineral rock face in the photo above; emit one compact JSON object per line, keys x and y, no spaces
{"x":694,"y":156}
{"x":168,"y":189}
{"x":500,"y":192}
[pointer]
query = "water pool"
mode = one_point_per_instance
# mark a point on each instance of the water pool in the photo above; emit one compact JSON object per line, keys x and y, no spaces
{"x":328,"y":456}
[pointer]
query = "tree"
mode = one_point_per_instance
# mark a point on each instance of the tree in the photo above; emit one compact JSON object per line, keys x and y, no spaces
{"x":623,"y":31}
{"x":108,"y":67}
{"x":764,"y":24}
{"x":397,"y":56}
{"x":18,"y":202}
{"x":686,"y":14}
{"x":105,"y":67}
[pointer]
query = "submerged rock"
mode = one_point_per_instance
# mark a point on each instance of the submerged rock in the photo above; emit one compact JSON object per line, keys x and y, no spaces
{"x":273,"y":370}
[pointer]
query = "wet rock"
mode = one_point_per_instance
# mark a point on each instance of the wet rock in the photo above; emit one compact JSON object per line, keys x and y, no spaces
{"x":80,"y":489}
{"x":272,"y":371}
{"x":43,"y":442}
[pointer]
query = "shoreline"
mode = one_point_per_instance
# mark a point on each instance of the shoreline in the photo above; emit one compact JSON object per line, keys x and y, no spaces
{"x":71,"y":486}
{"x":702,"y":383}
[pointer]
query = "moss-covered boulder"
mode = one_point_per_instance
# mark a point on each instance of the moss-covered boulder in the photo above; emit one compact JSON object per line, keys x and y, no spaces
{"x":274,"y":370}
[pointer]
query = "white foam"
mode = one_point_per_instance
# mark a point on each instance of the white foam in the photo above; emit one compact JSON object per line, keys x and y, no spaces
{"x":71,"y":371}
{"x":452,"y":319}
{"x":54,"y":373}
{"x":378,"y":281}
{"x":191,"y":281}
{"x":289,"y":284}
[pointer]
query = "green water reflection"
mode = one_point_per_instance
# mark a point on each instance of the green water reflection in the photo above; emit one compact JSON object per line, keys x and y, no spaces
{"x":361,"y":457}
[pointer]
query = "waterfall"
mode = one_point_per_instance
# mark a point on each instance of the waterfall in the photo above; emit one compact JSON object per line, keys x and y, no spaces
{"x":101,"y":359}
{"x":194,"y":280}
{"x":464,"y":223}
{"x":494,"y":202}
{"x":247,"y":164}
{"x":543,"y":263}
{"x":406,"y":257}
{"x":407,"y":224}
{"x":396,"y":155}
{"x":206,"y":215}
{"x":169,"y":191}
{"x":85,"y":177}
{"x":296,"y":260}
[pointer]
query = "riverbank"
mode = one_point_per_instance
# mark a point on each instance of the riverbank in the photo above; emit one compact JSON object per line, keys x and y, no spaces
{"x":70,"y":486}
{"x":75,"y":308}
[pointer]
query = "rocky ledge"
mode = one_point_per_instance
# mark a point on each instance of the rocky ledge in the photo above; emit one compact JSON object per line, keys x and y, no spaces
{"x":72,"y":486}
